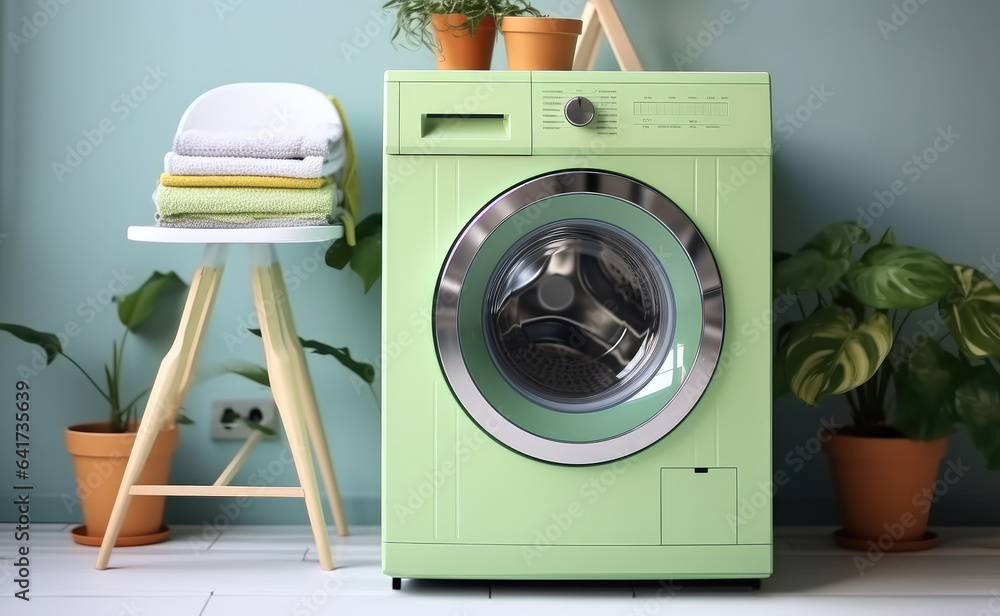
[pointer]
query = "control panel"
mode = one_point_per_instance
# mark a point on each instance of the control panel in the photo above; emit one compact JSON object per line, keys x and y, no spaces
{"x":640,"y":118}
{"x":583,"y":114}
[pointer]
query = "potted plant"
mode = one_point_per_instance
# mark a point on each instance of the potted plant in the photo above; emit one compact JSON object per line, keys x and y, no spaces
{"x":907,"y":389}
{"x":540,"y":43}
{"x":101,"y":449}
{"x":461,"y":33}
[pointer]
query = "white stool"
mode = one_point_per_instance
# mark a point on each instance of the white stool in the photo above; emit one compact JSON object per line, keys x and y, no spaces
{"x":289,"y":375}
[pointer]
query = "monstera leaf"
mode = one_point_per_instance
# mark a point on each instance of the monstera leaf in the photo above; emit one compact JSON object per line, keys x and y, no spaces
{"x":830,"y":353}
{"x":891,"y":276}
{"x":822,"y":262}
{"x":137,"y":306}
{"x":48,"y":342}
{"x":838,"y":240}
{"x":977,"y":402}
{"x":809,"y":270}
{"x":973,"y":313}
{"x":925,"y":387}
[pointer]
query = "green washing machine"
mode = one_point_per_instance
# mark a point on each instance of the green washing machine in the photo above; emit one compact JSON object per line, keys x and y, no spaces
{"x":576,"y":377}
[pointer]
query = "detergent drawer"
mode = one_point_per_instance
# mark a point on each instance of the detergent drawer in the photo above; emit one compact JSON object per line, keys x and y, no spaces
{"x":481,"y":117}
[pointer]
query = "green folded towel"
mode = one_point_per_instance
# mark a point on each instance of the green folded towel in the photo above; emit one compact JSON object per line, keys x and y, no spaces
{"x":238,"y":221}
{"x":245,"y":202}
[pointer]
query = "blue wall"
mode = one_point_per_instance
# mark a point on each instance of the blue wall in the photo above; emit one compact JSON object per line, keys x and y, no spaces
{"x":886,"y":92}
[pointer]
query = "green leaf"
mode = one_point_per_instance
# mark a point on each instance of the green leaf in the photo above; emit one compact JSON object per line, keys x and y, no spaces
{"x":256,"y":425}
{"x":184,"y":420}
{"x":136,"y":307}
{"x":785,"y":332}
{"x":343,"y":355}
{"x":836,"y":241}
{"x":338,"y":255}
{"x":977,"y":402}
{"x":371,"y":225}
{"x":367,"y":259}
{"x":257,"y":374}
{"x":900,"y":277}
{"x":925,"y":388}
{"x":972,"y":313}
{"x":845,"y":300}
{"x":888,"y":238}
{"x":809,"y":270}
{"x":829,"y":354}
{"x":48,"y":342}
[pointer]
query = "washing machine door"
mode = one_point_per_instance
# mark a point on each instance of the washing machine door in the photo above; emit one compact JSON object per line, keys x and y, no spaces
{"x":579,"y":317}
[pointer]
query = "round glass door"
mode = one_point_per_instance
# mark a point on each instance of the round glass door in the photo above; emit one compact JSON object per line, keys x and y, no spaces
{"x":579,"y":317}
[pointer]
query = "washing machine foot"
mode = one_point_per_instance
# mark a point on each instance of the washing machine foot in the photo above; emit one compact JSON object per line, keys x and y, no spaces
{"x":397,"y":583}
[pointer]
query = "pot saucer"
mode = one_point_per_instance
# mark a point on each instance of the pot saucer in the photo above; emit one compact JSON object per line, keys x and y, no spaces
{"x":929,"y":540}
{"x":79,"y":534}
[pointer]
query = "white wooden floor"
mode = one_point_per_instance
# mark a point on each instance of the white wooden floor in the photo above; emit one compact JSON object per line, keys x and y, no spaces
{"x":249,"y":570}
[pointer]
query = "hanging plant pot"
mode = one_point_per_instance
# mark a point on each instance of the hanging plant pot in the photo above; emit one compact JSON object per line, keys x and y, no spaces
{"x":540,"y":43}
{"x":882,"y":487}
{"x":99,"y":458}
{"x":460,"y":49}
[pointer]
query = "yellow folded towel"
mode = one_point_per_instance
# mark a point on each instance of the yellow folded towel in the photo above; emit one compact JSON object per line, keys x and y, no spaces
{"x":225,"y":181}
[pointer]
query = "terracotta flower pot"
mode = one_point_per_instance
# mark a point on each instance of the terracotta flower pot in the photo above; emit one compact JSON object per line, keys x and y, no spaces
{"x":457,"y":49}
{"x":99,"y":458}
{"x":882,"y":486}
{"x":540,"y":43}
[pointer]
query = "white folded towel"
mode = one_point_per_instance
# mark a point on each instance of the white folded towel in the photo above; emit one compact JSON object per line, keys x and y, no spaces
{"x":308,"y":167}
{"x":263,"y":143}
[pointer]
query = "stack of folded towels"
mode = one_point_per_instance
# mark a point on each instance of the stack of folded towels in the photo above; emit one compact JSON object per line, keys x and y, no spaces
{"x":259,"y":178}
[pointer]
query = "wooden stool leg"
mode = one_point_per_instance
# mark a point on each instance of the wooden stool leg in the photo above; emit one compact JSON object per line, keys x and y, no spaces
{"x":589,"y":42}
{"x":314,"y":426}
{"x":169,"y":388}
{"x":317,"y":437}
{"x":280,"y":343}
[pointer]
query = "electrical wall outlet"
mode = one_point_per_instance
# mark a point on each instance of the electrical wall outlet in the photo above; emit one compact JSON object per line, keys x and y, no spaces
{"x":226,"y":415}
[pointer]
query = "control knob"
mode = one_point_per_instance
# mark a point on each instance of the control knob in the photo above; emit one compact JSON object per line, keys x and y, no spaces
{"x":579,"y":111}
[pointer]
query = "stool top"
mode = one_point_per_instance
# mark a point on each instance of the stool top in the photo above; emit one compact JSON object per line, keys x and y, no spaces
{"x":276,"y":235}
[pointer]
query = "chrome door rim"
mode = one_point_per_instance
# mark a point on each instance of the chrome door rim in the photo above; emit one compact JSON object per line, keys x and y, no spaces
{"x":464,"y":251}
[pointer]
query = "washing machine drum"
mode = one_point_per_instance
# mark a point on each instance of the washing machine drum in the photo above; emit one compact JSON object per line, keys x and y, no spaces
{"x":579,"y":317}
